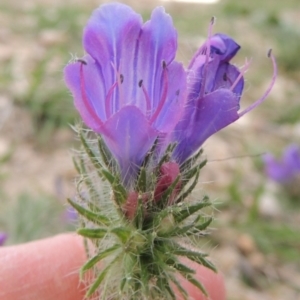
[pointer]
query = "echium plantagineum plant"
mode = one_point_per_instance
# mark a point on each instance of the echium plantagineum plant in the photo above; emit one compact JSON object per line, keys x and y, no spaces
{"x":147,"y":118}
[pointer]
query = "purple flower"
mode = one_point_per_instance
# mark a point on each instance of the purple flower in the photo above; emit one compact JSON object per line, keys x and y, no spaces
{"x":128,"y":88}
{"x":3,"y":238}
{"x":215,"y":87}
{"x":286,"y":168}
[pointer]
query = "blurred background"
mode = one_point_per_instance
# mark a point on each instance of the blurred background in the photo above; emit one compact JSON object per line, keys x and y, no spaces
{"x":255,"y":240}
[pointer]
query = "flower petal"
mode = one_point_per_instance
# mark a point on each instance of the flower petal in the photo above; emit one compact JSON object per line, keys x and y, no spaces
{"x":173,"y":107}
{"x":157,"y":44}
{"x":82,"y":78}
{"x":112,"y":41}
{"x":213,"y":112}
{"x":129,"y":136}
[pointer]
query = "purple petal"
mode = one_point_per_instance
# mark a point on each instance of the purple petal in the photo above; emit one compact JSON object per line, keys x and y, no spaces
{"x":88,"y":91}
{"x":129,"y":137}
{"x":226,"y":76}
{"x":224,"y":46}
{"x":212,"y":113}
{"x":157,"y":44}
{"x":110,"y":37}
{"x":173,"y":107}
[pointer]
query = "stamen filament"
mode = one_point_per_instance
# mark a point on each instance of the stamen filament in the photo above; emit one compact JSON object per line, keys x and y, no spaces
{"x":108,"y":98}
{"x":147,"y":98}
{"x":267,"y":92}
{"x":207,"y":56}
{"x":242,"y":73}
{"x":164,"y":94}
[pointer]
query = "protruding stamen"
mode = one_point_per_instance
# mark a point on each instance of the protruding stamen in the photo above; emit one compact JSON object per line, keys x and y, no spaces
{"x":85,"y":99}
{"x":213,"y":20}
{"x":242,"y":72}
{"x":177,"y":92}
{"x":147,"y":98}
{"x":207,"y":56}
{"x":164,"y":64}
{"x":267,"y":92}
{"x":108,"y":98}
{"x":164,"y":94}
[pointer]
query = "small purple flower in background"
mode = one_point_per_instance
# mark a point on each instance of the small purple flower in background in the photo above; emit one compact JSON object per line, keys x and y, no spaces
{"x":286,"y":168}
{"x":3,"y":238}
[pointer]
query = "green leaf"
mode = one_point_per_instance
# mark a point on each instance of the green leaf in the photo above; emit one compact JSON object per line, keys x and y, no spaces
{"x":186,"y":211}
{"x":203,"y":225}
{"x":93,"y":233}
{"x":91,"y":216}
{"x":122,"y":233}
{"x":99,"y":279}
{"x":196,"y":283}
{"x":163,"y":284}
{"x":94,"y":260}
{"x":179,"y":266}
{"x":104,"y":152}
{"x":197,"y":257}
{"x":179,"y":287}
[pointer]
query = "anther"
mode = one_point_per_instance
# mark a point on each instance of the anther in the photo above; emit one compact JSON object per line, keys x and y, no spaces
{"x":212,"y":20}
{"x":164,"y":64}
{"x":81,"y":60}
{"x":141,"y":83}
{"x":225,"y":77}
{"x":269,"y":53}
{"x":121,"y":78}
{"x":177,"y":92}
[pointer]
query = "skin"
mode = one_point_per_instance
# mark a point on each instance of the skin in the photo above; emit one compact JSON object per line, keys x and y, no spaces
{"x":56,"y":261}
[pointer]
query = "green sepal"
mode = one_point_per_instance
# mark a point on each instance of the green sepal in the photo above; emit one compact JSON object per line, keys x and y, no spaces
{"x":196,"y":283}
{"x":118,"y":189}
{"x":94,"y":260}
{"x":104,"y":152}
{"x":95,"y":161}
{"x":100,"y":278}
{"x":167,"y":155}
{"x":92,"y":233}
{"x":184,"y":195}
{"x":150,"y":153}
{"x":186,"y":211}
{"x":142,"y":180}
{"x":91,"y":216}
{"x":191,"y":161}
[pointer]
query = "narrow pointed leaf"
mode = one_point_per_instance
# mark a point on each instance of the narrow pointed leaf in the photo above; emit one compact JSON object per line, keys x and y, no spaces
{"x":99,"y":279}
{"x":94,"y":260}
{"x":91,"y":216}
{"x":179,"y":287}
{"x":97,"y":233}
{"x":189,"y":210}
{"x":191,"y":161}
{"x":197,"y":283}
{"x":122,"y":233}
